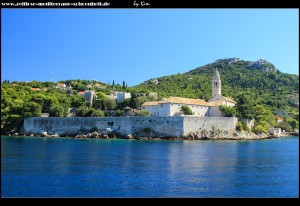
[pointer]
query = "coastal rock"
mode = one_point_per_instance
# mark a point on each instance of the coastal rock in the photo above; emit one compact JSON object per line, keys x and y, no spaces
{"x":54,"y":135}
{"x":89,"y":135}
{"x":16,"y":134}
{"x":44,"y":134}
{"x":105,"y":136}
{"x":129,"y":136}
{"x":94,"y":134}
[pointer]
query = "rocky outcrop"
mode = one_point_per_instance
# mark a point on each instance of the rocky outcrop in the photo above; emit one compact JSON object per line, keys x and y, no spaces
{"x":225,"y":135}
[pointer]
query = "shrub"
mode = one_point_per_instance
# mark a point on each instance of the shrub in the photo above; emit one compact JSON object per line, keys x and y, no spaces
{"x":261,"y":129}
{"x":239,"y":126}
{"x":143,"y":113}
{"x":97,"y":113}
{"x":118,"y":113}
{"x":186,"y":110}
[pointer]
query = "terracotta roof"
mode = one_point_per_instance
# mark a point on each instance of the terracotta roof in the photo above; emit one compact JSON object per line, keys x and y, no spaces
{"x":13,"y":84}
{"x":35,"y":89}
{"x":181,"y":100}
{"x":81,"y":92}
{"x":278,"y":118}
{"x":61,"y":85}
{"x":229,"y":99}
{"x":152,"y":103}
{"x":216,"y":103}
{"x":178,"y":100}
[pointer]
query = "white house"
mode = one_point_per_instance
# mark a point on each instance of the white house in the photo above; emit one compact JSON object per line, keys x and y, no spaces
{"x":275,"y":131}
{"x":119,"y":96}
{"x":172,"y":106}
{"x":61,"y":86}
{"x":89,"y":95}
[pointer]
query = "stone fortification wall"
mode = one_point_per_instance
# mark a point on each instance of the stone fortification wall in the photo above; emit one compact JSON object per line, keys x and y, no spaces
{"x":194,"y":124}
{"x":140,"y":126}
{"x":146,"y":126}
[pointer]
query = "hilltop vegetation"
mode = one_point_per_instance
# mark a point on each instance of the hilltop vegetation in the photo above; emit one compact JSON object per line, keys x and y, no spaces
{"x":270,"y":88}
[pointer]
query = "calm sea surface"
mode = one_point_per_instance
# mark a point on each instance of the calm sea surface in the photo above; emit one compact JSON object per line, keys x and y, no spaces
{"x":66,"y":167}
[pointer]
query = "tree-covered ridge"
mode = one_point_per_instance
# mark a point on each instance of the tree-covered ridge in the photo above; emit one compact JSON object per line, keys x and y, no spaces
{"x":270,"y":88}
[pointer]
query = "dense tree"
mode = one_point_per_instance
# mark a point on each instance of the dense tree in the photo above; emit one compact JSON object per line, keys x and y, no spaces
{"x":293,"y":123}
{"x":244,"y":106}
{"x":227,"y":111}
{"x":98,"y":100}
{"x":98,"y":113}
{"x":123,"y":104}
{"x":56,"y":110}
{"x":264,"y":119}
{"x":109,"y":104}
{"x":81,"y":111}
{"x":77,"y":100}
{"x":31,"y":109}
{"x":134,"y":101}
{"x":186,"y":110}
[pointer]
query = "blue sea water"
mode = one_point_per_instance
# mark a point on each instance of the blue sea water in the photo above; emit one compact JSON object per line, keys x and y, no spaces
{"x":66,"y":167}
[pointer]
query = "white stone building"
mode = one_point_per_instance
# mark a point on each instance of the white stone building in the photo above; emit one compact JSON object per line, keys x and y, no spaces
{"x":119,"y":96}
{"x":172,"y":106}
{"x":89,"y":95}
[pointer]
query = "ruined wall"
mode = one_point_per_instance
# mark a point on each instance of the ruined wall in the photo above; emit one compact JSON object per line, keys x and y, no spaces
{"x":141,"y":126}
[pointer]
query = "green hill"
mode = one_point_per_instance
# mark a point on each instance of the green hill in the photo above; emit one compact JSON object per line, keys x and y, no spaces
{"x":260,"y":80}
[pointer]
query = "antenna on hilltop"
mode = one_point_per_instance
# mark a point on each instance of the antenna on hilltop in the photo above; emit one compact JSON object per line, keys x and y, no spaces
{"x":51,"y":76}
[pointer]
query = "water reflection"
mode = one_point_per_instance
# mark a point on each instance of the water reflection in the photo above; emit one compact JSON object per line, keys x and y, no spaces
{"x":130,"y":168}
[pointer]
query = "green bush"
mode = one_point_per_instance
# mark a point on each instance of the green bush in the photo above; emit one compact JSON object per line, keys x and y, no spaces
{"x":239,"y":126}
{"x":118,"y":113}
{"x":143,"y":113}
{"x":97,"y":113}
{"x":186,"y":110}
{"x":260,"y":129}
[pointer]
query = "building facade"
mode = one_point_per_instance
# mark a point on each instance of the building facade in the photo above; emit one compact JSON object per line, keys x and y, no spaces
{"x":172,"y":106}
{"x":89,"y":95}
{"x":119,"y":96}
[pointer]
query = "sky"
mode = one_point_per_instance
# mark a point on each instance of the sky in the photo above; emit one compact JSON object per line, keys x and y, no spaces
{"x":134,"y":45}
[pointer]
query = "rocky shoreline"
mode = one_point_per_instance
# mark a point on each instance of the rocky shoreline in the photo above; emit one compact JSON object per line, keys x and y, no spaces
{"x":210,"y":135}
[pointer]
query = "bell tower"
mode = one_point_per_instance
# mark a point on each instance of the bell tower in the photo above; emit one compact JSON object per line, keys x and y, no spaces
{"x":216,"y":84}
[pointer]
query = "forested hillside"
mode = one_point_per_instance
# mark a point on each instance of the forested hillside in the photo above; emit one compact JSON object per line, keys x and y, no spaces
{"x":259,"y":80}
